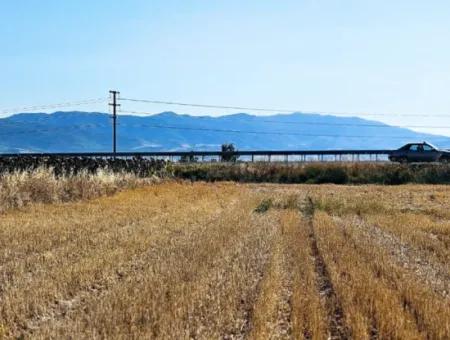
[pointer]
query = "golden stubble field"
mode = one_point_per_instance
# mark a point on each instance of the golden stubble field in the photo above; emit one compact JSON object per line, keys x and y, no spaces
{"x":230,"y":261}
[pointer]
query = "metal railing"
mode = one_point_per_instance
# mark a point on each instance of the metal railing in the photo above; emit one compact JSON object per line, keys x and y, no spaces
{"x":246,"y":155}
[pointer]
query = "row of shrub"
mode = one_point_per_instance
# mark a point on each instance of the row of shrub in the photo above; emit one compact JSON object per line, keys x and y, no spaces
{"x":66,"y":166}
{"x":316,"y":173}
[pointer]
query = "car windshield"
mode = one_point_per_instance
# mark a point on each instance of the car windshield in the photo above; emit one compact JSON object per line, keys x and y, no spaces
{"x":427,"y":147}
{"x":431,"y":146}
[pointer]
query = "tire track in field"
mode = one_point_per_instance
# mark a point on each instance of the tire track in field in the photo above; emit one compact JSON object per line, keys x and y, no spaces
{"x":272,"y":311}
{"x":258,"y":271}
{"x":336,"y":318}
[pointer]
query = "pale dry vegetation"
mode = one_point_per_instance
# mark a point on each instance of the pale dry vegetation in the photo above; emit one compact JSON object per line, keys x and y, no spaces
{"x":21,"y":188}
{"x":223,"y":260}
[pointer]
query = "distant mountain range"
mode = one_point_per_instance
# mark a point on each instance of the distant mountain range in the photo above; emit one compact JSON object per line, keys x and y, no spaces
{"x":90,"y":131}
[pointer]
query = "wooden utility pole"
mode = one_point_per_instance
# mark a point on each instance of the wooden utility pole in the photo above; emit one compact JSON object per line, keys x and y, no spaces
{"x":114,"y":118}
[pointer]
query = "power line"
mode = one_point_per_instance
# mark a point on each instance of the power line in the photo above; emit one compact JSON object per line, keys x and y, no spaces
{"x":52,"y":106}
{"x":315,"y":123}
{"x":259,"y":120}
{"x":171,"y":127}
{"x":312,"y":123}
{"x":204,"y":105}
{"x":213,"y":106}
{"x":278,"y":133}
{"x":53,"y":128}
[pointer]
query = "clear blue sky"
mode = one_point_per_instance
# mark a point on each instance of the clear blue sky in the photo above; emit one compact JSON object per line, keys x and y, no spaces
{"x":380,"y":56}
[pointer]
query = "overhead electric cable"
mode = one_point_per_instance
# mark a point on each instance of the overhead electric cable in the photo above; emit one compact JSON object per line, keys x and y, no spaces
{"x":161,"y":126}
{"x":212,"y":106}
{"x":280,"y":133}
{"x":52,"y":106}
{"x":259,"y":120}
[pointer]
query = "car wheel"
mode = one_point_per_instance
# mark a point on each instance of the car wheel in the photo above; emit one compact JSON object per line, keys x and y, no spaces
{"x":444,"y":160}
{"x":402,"y":160}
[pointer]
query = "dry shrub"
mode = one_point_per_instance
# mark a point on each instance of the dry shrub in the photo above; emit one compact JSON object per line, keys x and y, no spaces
{"x":264,"y":205}
{"x":19,"y":189}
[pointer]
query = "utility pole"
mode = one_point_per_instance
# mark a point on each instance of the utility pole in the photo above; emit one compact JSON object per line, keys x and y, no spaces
{"x":114,"y":118}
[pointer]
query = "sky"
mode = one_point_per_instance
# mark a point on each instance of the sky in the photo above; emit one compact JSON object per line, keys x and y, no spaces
{"x":380,"y":56}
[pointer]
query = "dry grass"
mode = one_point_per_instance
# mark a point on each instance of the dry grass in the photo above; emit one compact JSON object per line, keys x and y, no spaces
{"x":19,"y":189}
{"x":205,"y":261}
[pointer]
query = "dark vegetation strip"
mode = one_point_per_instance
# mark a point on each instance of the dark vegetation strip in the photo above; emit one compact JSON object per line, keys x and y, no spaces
{"x":63,"y":166}
{"x":312,"y":173}
{"x":315,"y":173}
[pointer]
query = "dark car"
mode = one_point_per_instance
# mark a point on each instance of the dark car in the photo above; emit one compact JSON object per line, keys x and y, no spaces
{"x":420,"y":152}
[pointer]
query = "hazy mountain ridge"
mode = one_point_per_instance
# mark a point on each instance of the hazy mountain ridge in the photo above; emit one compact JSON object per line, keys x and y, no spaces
{"x":86,"y":131}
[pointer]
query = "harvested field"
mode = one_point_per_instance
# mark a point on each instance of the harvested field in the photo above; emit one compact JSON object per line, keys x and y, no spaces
{"x":231,"y":261}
